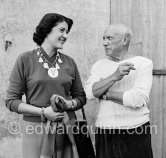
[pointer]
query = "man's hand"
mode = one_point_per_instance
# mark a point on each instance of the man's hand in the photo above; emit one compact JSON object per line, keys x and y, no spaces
{"x":101,"y":87}
{"x":122,"y":70}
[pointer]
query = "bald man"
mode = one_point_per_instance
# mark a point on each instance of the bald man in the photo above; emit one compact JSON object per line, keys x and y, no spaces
{"x":122,"y":83}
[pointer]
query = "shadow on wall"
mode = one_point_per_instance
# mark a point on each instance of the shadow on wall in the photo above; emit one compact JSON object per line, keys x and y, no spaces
{"x":8,"y":41}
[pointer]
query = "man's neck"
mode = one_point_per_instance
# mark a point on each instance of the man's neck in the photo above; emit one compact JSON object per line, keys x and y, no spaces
{"x":125,"y":54}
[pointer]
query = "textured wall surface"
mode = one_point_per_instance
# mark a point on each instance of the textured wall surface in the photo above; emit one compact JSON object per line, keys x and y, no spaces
{"x":147,"y":18}
{"x":19,"y":18}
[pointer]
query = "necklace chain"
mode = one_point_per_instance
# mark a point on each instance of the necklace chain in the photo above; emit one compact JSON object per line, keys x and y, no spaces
{"x":45,"y":60}
{"x":53,"y":70}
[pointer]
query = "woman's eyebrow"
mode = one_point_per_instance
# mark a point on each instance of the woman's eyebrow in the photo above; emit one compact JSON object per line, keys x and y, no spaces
{"x":61,"y":27}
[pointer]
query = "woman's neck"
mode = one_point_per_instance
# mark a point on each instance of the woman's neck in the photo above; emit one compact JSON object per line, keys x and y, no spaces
{"x":48,"y":49}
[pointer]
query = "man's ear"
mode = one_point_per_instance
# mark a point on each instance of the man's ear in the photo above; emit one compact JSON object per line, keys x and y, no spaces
{"x":126,"y":39}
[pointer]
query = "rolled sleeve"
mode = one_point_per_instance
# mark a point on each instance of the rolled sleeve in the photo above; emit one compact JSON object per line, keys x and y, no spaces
{"x":139,"y":95}
{"x":94,"y":77}
{"x":13,"y":105}
{"x":16,"y":86}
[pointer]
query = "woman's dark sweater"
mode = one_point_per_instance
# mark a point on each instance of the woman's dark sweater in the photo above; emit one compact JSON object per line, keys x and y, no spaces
{"x":29,"y":77}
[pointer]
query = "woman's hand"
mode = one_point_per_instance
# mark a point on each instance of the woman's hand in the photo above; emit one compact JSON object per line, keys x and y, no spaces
{"x":62,"y":103}
{"x":53,"y":116}
{"x":65,"y":104}
{"x":122,"y":70}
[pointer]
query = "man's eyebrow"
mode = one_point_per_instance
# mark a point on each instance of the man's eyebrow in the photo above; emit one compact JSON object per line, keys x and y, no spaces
{"x":108,"y":36}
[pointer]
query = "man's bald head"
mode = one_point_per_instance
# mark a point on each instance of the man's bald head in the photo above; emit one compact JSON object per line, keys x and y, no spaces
{"x":116,"y":39}
{"x":119,"y":29}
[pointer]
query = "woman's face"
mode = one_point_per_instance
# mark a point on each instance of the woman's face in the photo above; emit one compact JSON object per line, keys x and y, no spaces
{"x":58,"y":35}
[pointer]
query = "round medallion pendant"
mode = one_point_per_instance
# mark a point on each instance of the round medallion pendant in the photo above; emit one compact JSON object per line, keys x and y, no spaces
{"x":53,"y":72}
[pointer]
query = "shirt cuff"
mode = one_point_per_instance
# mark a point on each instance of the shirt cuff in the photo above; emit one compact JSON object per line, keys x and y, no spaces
{"x":89,"y":93}
{"x":15,"y":104}
{"x":127,"y":99}
{"x":134,"y":99}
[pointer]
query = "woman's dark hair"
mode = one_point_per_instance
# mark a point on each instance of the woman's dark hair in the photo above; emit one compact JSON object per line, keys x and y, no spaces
{"x":46,"y":24}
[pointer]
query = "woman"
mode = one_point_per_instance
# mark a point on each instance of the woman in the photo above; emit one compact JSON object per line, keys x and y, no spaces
{"x":39,"y":74}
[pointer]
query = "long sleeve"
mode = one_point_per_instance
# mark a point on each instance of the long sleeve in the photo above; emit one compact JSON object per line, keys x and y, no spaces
{"x":77,"y":91}
{"x":16,"y":86}
{"x":139,"y":95}
{"x":94,"y":77}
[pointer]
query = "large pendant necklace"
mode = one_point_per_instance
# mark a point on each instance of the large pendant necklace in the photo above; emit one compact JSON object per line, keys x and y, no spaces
{"x":53,"y":69}
{"x":53,"y":72}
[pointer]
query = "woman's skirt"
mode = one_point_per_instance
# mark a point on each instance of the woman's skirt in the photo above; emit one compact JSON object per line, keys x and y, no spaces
{"x":33,"y":134}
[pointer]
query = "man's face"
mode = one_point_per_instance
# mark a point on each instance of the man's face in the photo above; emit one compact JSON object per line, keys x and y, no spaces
{"x":113,"y":42}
